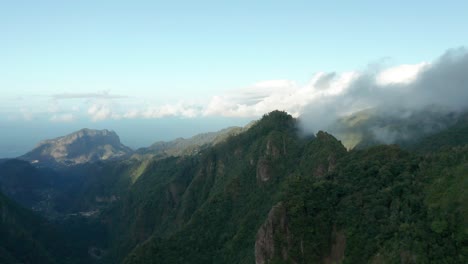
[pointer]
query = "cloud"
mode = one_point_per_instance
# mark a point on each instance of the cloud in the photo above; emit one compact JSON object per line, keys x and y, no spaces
{"x":442,"y":84}
{"x":101,"y":95}
{"x":259,"y":98}
{"x":99,"y":112}
{"x":320,"y":101}
{"x":67,"y":117}
{"x":167,"y":110}
{"x":402,"y":74}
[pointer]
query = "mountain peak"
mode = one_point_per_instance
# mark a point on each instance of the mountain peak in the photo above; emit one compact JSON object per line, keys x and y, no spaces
{"x":84,"y":145}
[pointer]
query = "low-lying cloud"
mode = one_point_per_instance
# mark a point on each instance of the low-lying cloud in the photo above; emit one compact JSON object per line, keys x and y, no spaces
{"x":320,"y":101}
{"x":442,"y":84}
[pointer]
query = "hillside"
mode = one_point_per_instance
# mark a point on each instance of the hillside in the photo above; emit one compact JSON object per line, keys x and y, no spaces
{"x":31,"y":187}
{"x":222,"y":202}
{"x":28,"y":238}
{"x":270,"y":195}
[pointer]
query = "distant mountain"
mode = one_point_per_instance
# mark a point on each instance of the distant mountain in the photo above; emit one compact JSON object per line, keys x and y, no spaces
{"x":189,"y":146}
{"x":403,"y":127}
{"x":85,"y":145}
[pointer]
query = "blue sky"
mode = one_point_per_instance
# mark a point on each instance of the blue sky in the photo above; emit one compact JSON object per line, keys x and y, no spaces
{"x":93,"y":63}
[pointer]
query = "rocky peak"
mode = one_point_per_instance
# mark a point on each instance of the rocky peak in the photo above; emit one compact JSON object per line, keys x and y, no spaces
{"x":85,"y":145}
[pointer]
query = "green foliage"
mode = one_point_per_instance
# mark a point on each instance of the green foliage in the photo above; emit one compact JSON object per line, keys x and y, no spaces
{"x":452,"y":137}
{"x":375,"y":205}
{"x":379,"y":199}
{"x":27,"y":238}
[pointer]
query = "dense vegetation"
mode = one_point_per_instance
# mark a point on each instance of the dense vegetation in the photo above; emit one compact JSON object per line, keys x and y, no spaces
{"x":268,"y":195}
{"x":380,"y":200}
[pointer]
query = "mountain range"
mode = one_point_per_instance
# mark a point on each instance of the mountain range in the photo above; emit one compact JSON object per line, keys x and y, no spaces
{"x":266,"y":193}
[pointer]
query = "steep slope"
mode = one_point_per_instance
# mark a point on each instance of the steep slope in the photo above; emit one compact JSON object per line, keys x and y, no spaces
{"x":83,"y":146}
{"x":172,"y":195}
{"x":268,"y":196}
{"x":29,"y":186}
{"x":453,"y":136}
{"x":27,"y":238}
{"x":18,"y":240}
{"x":217,"y":199}
{"x":55,"y":231}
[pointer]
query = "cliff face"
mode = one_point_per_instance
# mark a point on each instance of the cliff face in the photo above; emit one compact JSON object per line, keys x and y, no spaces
{"x":276,"y":225}
{"x":83,"y":146}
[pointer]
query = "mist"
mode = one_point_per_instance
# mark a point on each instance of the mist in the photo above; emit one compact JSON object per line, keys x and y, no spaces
{"x":434,"y":89}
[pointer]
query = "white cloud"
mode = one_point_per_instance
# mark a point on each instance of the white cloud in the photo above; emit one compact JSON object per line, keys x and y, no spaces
{"x":402,"y":74}
{"x":99,"y":112}
{"x":167,"y":110}
{"x":265,"y":96}
{"x":179,"y":109}
{"x":326,"y":94}
{"x":260,"y":98}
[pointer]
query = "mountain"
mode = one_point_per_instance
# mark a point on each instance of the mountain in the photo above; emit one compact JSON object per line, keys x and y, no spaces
{"x":271,"y":195}
{"x":189,"y":146}
{"x":404,"y":127}
{"x":83,"y":146}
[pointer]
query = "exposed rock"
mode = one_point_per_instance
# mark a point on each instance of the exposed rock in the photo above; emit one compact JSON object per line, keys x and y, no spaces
{"x":338,"y":247}
{"x":275,"y":224}
{"x":263,"y":170}
{"x":272,"y":150}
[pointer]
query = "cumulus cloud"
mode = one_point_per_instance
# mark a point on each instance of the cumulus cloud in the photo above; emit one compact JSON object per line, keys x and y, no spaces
{"x":99,"y":112}
{"x":259,"y":98}
{"x":167,"y":110}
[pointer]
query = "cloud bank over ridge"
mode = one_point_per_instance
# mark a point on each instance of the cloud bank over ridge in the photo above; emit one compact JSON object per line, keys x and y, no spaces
{"x":443,"y":82}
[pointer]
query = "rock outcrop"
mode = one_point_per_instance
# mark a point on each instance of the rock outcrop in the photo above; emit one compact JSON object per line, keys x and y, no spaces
{"x":276,"y":224}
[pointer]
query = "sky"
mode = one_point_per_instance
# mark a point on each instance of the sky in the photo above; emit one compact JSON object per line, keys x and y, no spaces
{"x":158,"y":70}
